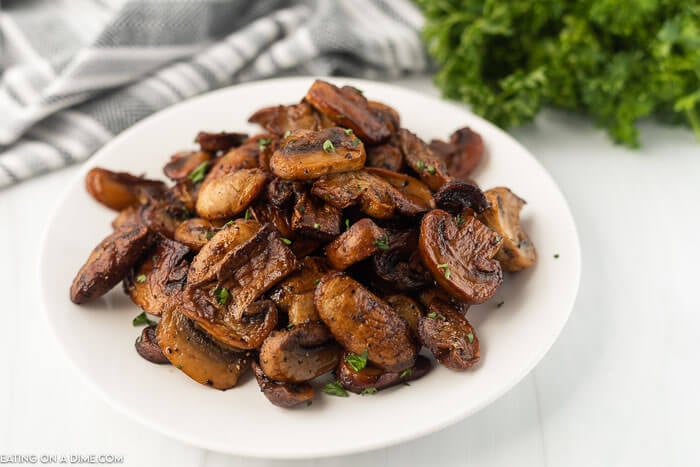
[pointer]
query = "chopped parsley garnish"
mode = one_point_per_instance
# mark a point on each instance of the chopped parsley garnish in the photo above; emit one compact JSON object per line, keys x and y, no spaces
{"x":222,"y":295}
{"x":142,"y":320}
{"x":317,"y":225}
{"x":286,"y":241}
{"x":420,"y":165}
{"x":334,"y":388}
{"x":359,"y":91}
{"x":301,"y":209}
{"x":357,"y":362}
{"x":263,"y":142}
{"x":430,"y":169}
{"x":382,"y":243}
{"x":308,"y":403}
{"x":209,"y":235}
{"x":287,"y":133}
{"x":459,"y":219}
{"x":499,"y":304}
{"x":348,"y":131}
{"x":347,"y":224}
{"x":556,"y":256}
{"x":446,"y":267}
{"x":328,"y":146}
{"x":290,"y":326}
{"x":406,"y":373}
{"x":316,"y":282}
{"x":229,"y":223}
{"x":197,"y":175}
{"x":434,"y":315}
{"x":247,"y":214}
{"x":356,"y":142}
{"x":470,"y":337}
{"x":368,"y":391}
{"x":340,"y":116}
{"x":141,"y":278}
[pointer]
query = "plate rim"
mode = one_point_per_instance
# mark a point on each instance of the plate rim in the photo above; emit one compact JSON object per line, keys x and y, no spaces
{"x":457,"y":415}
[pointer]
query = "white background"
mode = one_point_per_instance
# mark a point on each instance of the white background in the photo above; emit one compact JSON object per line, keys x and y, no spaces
{"x":621,"y":386}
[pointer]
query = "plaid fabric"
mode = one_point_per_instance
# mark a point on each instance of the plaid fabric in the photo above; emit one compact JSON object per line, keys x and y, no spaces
{"x":75,"y":73}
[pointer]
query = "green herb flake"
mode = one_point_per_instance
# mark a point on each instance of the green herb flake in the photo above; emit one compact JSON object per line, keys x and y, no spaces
{"x":382,"y":243}
{"x":406,"y":373}
{"x":499,"y":304}
{"x":316,"y":282}
{"x":432,"y":315}
{"x":222,"y":295}
{"x":209,"y":235}
{"x":357,"y":362}
{"x":286,"y":241}
{"x":308,"y":403}
{"x":420,"y":165}
{"x":430,"y":169}
{"x":263,"y":142}
{"x":556,"y":256}
{"x":359,"y":91}
{"x":317,"y":225}
{"x":339,"y":116}
{"x":141,"y":278}
{"x":347,"y":224}
{"x":229,"y":223}
{"x":470,"y":337}
{"x":290,"y":326}
{"x":348,"y":131}
{"x":446,"y":267}
{"x":301,"y":209}
{"x":328,"y":146}
{"x":356,"y":142}
{"x":247,"y":214}
{"x":334,"y":388}
{"x":197,"y":175}
{"x":368,"y":391}
{"x":142,"y":320}
{"x":179,"y":367}
{"x":287,"y":133}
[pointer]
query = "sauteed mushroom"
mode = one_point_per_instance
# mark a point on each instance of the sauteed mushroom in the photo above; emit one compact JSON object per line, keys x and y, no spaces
{"x":119,"y":190}
{"x":360,"y":241}
{"x":285,"y":395}
{"x":230,"y":194}
{"x":449,"y":336}
{"x":222,"y":141}
{"x":147,"y":346}
{"x":372,"y":377}
{"x":517,"y":252}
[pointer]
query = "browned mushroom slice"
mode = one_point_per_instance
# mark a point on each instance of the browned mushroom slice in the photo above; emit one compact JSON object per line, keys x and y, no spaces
{"x":182,"y":164}
{"x":362,"y":322}
{"x":372,"y":378}
{"x":128,"y":217}
{"x":229,"y":273}
{"x":430,"y":168}
{"x":386,"y":113}
{"x":222,"y":141}
{"x":517,"y":252}
{"x":349,"y":108}
{"x":264,"y":212}
{"x":157,"y":282}
{"x":442,"y":149}
{"x":164,"y":217}
{"x":186,"y":192}
{"x":455,"y":197}
{"x":119,"y":190}
{"x":109,"y":262}
{"x":460,"y":258}
{"x":285,"y":395}
{"x":306,"y":154}
{"x":304,"y":246}
{"x":283,"y":118}
{"x":295,"y":294}
{"x":314,"y":218}
{"x":282,"y":193}
{"x":230,"y":194}
{"x":399,"y":267}
{"x":242,"y":157}
{"x":427,"y":297}
{"x":147,"y":346}
{"x":407,"y":308}
{"x":375,"y":196}
{"x":385,"y":156}
{"x":299,"y":354}
{"x":197,"y":355}
{"x":355,"y":244}
{"x":416,"y":191}
{"x":449,"y":336}
{"x":195,"y":233}
{"x":470,"y":150}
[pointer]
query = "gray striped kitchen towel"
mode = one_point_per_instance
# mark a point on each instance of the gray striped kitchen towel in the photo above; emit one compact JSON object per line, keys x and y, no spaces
{"x":74,"y":73}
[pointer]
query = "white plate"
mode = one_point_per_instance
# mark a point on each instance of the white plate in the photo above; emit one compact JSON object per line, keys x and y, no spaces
{"x":99,"y":337}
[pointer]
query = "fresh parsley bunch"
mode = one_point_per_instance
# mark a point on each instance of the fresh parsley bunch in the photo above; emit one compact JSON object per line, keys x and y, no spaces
{"x":616,"y":60}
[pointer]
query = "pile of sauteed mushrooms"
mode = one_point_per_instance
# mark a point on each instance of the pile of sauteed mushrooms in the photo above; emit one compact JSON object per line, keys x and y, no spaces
{"x":334,"y":241}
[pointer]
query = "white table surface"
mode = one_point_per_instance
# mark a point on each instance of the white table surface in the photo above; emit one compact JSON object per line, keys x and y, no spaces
{"x":621,"y":386}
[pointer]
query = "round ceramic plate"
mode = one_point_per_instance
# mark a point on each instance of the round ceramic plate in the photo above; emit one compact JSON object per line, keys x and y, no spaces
{"x":99,"y":337}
